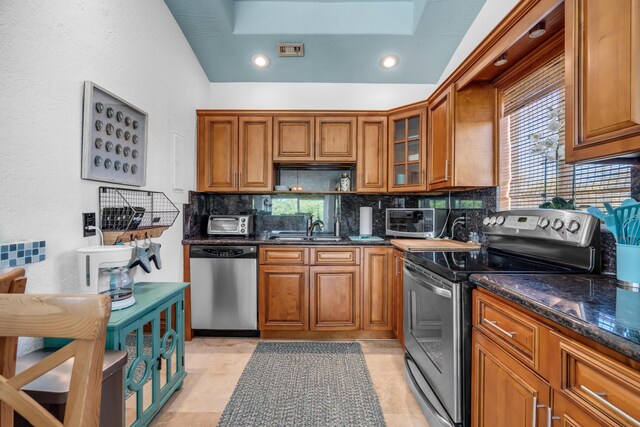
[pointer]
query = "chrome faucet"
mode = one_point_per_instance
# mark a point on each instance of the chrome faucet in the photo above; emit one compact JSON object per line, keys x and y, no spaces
{"x":311,"y":225}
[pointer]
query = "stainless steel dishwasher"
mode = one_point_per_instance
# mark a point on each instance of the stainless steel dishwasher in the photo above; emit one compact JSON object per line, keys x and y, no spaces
{"x":224,"y":290}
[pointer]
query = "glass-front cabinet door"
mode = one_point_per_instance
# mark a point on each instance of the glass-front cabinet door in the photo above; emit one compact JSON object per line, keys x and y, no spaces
{"x":407,"y":151}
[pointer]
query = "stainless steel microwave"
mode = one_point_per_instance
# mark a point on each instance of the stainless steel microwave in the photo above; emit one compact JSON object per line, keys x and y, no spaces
{"x":418,"y":223}
{"x":230,"y":225}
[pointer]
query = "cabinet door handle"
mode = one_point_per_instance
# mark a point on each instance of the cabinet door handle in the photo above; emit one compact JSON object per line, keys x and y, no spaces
{"x":550,"y":417}
{"x":239,"y":179}
{"x":534,"y":416}
{"x":446,"y":170}
{"x":614,"y":408}
{"x":494,"y":323}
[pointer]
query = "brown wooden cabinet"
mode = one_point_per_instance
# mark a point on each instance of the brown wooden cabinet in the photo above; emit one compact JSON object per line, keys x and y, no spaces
{"x":516,"y":357}
{"x":504,"y":392}
{"x":398,"y":295}
{"x":602,"y":79}
{"x":407,"y":151}
{"x":335,"y":139}
{"x":255,"y":172}
{"x":293,"y":139}
{"x":322,"y":290}
{"x":441,"y":139}
{"x":335,"y":298}
{"x":324,"y":139}
{"x":566,"y":414}
{"x":283,"y":295}
{"x":462,"y":137}
{"x":217,"y":153}
{"x":234,"y":154}
{"x":371,"y":168}
{"x":378,"y":288}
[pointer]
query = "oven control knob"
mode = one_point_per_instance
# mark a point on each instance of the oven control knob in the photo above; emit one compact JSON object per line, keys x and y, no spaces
{"x":493,"y":220}
{"x":500,"y":220}
{"x":543,"y":223}
{"x":557,"y":224}
{"x":486,"y":221}
{"x":573,"y":226}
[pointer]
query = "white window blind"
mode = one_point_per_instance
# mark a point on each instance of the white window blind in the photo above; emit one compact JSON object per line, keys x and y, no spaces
{"x":526,"y":176}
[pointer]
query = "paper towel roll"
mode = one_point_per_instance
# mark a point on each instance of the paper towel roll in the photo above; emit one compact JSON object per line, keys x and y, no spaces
{"x":366,"y":220}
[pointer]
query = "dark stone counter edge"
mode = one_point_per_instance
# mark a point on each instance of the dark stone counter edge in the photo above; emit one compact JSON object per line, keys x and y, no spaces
{"x":258,"y":241}
{"x":588,"y":330}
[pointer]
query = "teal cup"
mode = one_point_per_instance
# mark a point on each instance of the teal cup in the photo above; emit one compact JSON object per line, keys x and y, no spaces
{"x":628,"y":263}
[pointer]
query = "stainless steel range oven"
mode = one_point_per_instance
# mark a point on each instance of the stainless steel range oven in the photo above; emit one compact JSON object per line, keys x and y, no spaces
{"x":437,"y":298}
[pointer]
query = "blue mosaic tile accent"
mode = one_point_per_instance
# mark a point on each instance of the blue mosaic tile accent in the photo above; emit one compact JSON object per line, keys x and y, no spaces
{"x":15,"y":254}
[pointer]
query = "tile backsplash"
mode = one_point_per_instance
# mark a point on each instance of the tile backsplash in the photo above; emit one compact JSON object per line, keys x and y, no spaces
{"x":15,"y":254}
{"x":290,"y":211}
{"x":270,"y":208}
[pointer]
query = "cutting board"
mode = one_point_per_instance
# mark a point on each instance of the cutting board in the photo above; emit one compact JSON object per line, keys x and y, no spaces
{"x":419,"y":245}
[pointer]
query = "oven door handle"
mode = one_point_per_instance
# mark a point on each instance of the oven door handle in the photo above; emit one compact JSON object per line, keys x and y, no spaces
{"x":423,"y":281}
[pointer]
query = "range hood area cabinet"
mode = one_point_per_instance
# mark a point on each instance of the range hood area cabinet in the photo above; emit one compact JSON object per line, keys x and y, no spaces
{"x":315,"y":139}
{"x":462,"y":137}
{"x":235,"y":153}
{"x":602,"y":72}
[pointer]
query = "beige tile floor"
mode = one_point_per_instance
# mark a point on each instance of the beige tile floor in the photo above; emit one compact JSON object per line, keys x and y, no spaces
{"x":214,"y":366}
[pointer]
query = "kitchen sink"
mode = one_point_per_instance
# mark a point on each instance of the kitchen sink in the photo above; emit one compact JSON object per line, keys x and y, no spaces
{"x":307,"y":238}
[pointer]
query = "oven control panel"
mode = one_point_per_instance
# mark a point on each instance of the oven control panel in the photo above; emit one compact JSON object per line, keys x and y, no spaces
{"x":568,"y":227}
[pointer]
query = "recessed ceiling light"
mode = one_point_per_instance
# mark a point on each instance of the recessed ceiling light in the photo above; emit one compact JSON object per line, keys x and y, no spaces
{"x":389,"y":61}
{"x":501,"y":60}
{"x":538,"y":30}
{"x":259,"y":60}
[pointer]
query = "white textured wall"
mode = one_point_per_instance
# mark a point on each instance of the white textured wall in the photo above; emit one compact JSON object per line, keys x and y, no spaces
{"x":134,"y":49}
{"x":489,"y":16}
{"x":315,"y":96}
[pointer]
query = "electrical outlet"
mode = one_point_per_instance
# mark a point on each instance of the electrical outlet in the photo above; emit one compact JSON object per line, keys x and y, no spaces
{"x":88,"y":220}
{"x":464,"y":220}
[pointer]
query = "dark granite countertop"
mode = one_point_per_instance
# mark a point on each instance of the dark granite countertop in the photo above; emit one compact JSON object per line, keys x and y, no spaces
{"x":256,"y":240}
{"x":596,"y":307}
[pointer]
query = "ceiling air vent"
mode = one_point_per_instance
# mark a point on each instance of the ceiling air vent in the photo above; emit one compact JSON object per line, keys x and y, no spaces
{"x":290,"y":49}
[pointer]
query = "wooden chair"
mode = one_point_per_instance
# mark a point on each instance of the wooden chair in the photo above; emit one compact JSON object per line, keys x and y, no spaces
{"x":13,"y":282}
{"x":80,"y":317}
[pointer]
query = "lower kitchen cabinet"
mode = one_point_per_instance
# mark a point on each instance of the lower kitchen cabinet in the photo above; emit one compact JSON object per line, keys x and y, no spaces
{"x":335,"y":298}
{"x":326,"y":291}
{"x":566,"y":414}
{"x":398,"y":295}
{"x":283,"y":297}
{"x":504,"y":392}
{"x":589,"y":387}
{"x":378,"y":288}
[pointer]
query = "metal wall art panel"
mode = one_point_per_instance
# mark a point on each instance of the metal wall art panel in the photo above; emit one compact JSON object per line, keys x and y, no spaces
{"x":114,"y":138}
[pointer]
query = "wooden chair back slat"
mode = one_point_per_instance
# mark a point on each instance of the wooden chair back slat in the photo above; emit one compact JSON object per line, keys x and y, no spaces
{"x":13,"y":282}
{"x":80,"y":317}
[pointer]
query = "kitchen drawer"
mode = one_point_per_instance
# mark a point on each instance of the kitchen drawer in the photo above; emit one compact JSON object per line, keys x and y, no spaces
{"x":602,"y":386}
{"x":284,"y":255}
{"x":335,"y":256}
{"x":516,"y":332}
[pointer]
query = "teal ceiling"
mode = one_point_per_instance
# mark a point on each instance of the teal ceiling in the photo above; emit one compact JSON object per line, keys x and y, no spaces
{"x":343,"y":40}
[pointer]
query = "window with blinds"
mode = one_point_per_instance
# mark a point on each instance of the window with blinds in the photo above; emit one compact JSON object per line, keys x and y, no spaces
{"x":531,"y":127}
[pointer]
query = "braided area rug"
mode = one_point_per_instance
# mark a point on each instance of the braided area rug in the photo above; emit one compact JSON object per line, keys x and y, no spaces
{"x":304,"y":384}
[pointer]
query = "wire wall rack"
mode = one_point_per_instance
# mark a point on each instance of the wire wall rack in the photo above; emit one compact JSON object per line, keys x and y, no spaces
{"x":127,"y":215}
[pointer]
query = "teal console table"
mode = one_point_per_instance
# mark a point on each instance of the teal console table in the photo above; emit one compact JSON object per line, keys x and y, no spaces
{"x":152,"y":332}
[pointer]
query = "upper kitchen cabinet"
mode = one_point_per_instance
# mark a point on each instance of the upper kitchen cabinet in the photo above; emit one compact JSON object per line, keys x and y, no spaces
{"x":293,"y":139}
{"x":255,"y":154}
{"x":602,"y":79}
{"x":407,"y":151}
{"x":335,"y":139}
{"x":234,"y":154}
{"x":307,"y":139}
{"x":461,"y":149}
{"x":217,"y":153}
{"x":371,"y":168}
